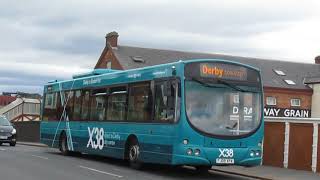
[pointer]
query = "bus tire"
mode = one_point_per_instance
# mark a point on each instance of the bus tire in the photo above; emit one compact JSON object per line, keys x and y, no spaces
{"x":134,"y":154}
{"x":203,"y":169}
{"x":63,"y":144}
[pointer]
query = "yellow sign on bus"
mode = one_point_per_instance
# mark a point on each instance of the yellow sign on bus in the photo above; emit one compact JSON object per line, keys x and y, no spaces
{"x":224,"y":71}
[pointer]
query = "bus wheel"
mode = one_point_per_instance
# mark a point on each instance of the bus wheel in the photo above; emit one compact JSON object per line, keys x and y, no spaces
{"x":64,"y":145}
{"x":203,"y":169}
{"x":134,"y":153}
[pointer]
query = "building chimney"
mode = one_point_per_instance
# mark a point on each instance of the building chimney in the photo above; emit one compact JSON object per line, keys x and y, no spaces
{"x":317,"y":60}
{"x":112,"y":38}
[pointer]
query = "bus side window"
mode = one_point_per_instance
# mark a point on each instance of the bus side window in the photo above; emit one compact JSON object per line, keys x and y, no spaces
{"x":165,"y":101}
{"x":85,"y":106}
{"x":69,"y":97}
{"x":98,"y":105}
{"x":117,"y":104}
{"x":77,"y":106}
{"x":140,"y":102}
{"x":52,"y":107}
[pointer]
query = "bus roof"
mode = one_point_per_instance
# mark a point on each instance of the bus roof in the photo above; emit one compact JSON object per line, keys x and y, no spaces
{"x":157,"y":71}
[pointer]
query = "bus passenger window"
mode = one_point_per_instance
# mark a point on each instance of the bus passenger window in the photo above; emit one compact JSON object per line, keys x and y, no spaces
{"x":85,"y":106}
{"x":117,"y":104}
{"x":69,"y":107}
{"x":165,"y":101}
{"x":52,"y":107}
{"x":140,"y":102}
{"x":98,"y":105}
{"x":77,"y":105}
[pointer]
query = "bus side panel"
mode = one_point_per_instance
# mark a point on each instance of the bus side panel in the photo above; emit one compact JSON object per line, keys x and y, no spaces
{"x":156,"y":141}
{"x":49,"y":134}
{"x":100,"y":138}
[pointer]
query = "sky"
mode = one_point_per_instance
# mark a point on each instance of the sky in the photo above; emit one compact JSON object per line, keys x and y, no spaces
{"x":46,"y":40}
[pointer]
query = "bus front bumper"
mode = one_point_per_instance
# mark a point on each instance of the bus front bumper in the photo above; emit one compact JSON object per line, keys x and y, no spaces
{"x":212,"y":156}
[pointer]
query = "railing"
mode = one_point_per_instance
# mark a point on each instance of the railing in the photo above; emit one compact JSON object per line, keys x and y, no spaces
{"x":20,"y":109}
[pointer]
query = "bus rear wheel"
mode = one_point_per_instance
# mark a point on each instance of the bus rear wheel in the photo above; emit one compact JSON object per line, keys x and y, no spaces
{"x":64,"y":145}
{"x":134,"y":154}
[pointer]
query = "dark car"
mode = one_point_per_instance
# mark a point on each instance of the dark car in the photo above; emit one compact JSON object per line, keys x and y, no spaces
{"x":8,"y":133}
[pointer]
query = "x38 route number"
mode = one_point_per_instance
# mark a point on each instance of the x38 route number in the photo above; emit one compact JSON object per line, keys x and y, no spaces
{"x":96,"y":138}
{"x":225,"y":156}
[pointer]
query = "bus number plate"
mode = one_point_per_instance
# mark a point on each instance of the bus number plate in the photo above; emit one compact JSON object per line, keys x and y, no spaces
{"x":224,"y":161}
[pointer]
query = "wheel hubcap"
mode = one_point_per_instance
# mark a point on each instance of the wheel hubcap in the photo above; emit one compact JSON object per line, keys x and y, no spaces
{"x":134,"y":153}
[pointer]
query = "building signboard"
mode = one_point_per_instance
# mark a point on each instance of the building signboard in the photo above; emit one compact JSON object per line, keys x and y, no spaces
{"x":287,"y":112}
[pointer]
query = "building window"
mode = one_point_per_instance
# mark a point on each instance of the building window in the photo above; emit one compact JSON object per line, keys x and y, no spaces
{"x":109,"y":63}
{"x":290,"y":82}
{"x":279,"y":72}
{"x":295,"y":102}
{"x":236,"y":98}
{"x":271,"y":101}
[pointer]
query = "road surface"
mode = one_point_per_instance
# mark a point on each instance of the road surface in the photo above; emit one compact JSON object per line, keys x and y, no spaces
{"x":39,"y":163}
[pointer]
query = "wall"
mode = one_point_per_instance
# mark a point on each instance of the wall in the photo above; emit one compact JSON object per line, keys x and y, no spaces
{"x":285,"y":95}
{"x":28,"y":131}
{"x":283,"y":106}
{"x":292,"y":143}
{"x":315,"y":111}
{"x":106,"y":57}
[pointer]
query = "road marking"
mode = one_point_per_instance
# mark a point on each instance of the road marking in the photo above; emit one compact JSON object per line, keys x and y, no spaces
{"x":41,"y":157}
{"x":95,"y":170}
{"x":1,"y":149}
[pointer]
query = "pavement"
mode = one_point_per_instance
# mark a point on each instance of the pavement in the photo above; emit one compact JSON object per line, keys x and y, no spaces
{"x":49,"y":163}
{"x":268,"y":172}
{"x":32,"y":144}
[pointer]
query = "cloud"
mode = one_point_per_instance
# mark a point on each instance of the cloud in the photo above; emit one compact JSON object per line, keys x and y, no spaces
{"x":45,"y":40}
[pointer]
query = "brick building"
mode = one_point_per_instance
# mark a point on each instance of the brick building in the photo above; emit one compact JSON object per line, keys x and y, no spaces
{"x":289,"y":86}
{"x":5,"y":100}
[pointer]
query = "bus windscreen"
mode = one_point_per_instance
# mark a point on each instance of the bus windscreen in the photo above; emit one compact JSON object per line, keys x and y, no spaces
{"x":223,"y":99}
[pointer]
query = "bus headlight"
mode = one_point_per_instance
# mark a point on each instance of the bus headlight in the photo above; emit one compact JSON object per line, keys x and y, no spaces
{"x":257,"y":153}
{"x":14,"y":131}
{"x":189,"y":151}
{"x":197,"y":152}
{"x":252,"y":153}
{"x":185,"y":141}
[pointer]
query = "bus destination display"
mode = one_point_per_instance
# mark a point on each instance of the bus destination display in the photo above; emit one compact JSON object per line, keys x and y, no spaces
{"x":223,"y":71}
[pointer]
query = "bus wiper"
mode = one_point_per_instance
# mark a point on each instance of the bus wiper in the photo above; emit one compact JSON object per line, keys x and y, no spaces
{"x":233,"y":126}
{"x":230,"y":85}
{"x":204,"y":83}
{"x":219,"y":81}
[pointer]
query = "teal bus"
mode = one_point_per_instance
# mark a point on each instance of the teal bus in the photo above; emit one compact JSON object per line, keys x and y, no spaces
{"x":198,"y":112}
